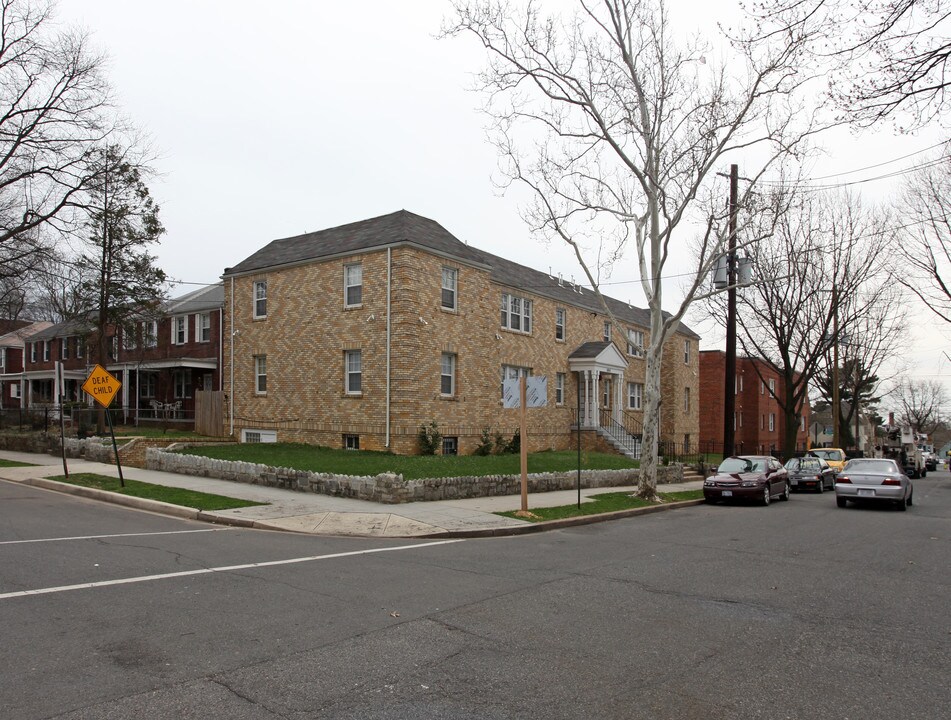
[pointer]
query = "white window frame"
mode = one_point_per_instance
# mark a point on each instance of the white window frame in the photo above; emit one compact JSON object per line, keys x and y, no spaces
{"x":635,"y":342}
{"x":33,"y":354}
{"x":46,"y":351}
{"x":559,"y":388}
{"x":635,"y":396}
{"x":250,"y":435}
{"x":259,"y":299}
{"x":351,"y":441}
{"x":260,"y":374}
{"x":149,"y":333}
{"x":182,"y":384}
{"x":447,"y":370}
{"x":561,"y":321}
{"x":772,"y":422}
{"x":513,"y":372}
{"x":147,"y":385}
{"x":606,"y":331}
{"x":203,"y":327}
{"x":772,"y":387}
{"x":449,"y":289}
{"x":516,"y":313}
{"x":686,"y":352}
{"x":353,"y":280}
{"x":15,"y":390}
{"x":64,"y":348}
{"x":353,"y":369}
{"x":3,"y":358}
{"x":179,"y":329}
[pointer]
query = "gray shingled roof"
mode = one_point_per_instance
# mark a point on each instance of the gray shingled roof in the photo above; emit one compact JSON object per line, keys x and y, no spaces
{"x":407,"y":227}
{"x":202,"y":299}
{"x":67,"y":328}
{"x":589,"y":350}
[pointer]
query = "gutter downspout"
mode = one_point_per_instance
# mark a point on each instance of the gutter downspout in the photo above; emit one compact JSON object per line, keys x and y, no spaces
{"x":389,"y":269}
{"x":231,"y":402}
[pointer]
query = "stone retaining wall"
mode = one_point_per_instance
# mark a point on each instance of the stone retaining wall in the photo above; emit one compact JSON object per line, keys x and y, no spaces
{"x":390,"y":488}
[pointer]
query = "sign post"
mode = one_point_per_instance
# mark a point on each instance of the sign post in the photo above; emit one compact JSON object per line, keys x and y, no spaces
{"x":103,"y":386}
{"x":526,"y":392}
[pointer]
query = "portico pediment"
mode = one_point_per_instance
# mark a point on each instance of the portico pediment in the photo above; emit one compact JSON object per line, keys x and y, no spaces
{"x":597,"y":356}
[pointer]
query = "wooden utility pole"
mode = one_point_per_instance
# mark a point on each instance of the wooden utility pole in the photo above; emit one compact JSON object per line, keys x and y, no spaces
{"x":729,"y":384}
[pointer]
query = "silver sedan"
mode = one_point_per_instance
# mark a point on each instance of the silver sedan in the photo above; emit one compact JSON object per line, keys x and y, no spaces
{"x":873,"y":479}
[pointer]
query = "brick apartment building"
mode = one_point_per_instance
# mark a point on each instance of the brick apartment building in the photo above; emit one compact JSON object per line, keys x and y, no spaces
{"x":12,"y":355}
{"x":758,"y":418}
{"x":357,"y":335}
{"x":160,"y":363}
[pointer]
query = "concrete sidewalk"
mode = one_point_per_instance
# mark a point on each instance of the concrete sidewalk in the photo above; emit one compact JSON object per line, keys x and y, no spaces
{"x":323,"y":514}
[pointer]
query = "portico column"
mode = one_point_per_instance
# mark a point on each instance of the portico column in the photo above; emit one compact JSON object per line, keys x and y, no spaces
{"x":596,"y":409}
{"x":618,"y":397}
{"x":587,"y":398}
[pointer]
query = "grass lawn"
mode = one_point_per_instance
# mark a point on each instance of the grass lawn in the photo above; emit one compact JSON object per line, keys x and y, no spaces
{"x":174,"y":496}
{"x":155,"y":432}
{"x":603,"y":503}
{"x":411,"y":467}
{"x":14,"y":463}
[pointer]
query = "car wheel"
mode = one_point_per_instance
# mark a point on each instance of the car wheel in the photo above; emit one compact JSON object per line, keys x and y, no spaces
{"x":840,"y":501}
{"x":766,"y":497}
{"x":786,"y":491}
{"x":821,"y":486}
{"x":911,"y":496}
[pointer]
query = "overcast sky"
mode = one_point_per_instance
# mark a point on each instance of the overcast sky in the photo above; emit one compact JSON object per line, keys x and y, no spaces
{"x":274,"y":119}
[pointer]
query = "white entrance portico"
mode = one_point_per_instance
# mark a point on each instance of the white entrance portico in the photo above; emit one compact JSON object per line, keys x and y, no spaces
{"x":600,"y":367}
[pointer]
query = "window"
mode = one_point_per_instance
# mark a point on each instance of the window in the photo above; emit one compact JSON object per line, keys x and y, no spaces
{"x":128,"y":338}
{"x":607,"y":331}
{"x":447,"y":377}
{"x":740,"y":416}
{"x":114,"y":347}
{"x":180,"y":330}
{"x":516,"y":313}
{"x":762,"y":387}
{"x":513,"y":372}
{"x":33,"y":352}
{"x":147,"y":385}
{"x":450,"y":446}
{"x":450,"y":277}
{"x":802,"y":423}
{"x":772,"y":387}
{"x":560,"y":389}
{"x":635,"y":343}
{"x":14,"y":390}
{"x":3,"y":358}
{"x":203,"y":327}
{"x":259,"y":436}
{"x":183,"y":383}
{"x":260,"y":299}
{"x":686,"y":352}
{"x":260,"y":374}
{"x":353,"y":367}
{"x":46,"y":350}
{"x":687,"y":400}
{"x":353,"y":285}
{"x":64,"y":349}
{"x":351,"y":442}
{"x":560,"y":324}
{"x":737,"y":384}
{"x":80,"y":347}
{"x":772,"y":422}
{"x":635,"y":395}
{"x":762,"y":422}
{"x":149,"y":333}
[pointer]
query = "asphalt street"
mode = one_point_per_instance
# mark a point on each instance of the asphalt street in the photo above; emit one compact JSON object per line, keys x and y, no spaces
{"x":796,"y":610}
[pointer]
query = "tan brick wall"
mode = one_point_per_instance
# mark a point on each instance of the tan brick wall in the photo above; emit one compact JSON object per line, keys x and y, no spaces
{"x":307,"y":330}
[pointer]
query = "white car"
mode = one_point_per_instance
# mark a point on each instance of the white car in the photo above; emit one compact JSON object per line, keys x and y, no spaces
{"x":873,"y":480}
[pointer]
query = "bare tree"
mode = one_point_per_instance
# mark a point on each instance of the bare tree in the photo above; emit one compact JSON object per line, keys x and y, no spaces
{"x":54,"y":107}
{"x":920,"y":404}
{"x":886,"y":58}
{"x":619,"y":132}
{"x":925,"y":243}
{"x":820,"y":273}
{"x":870,"y":344}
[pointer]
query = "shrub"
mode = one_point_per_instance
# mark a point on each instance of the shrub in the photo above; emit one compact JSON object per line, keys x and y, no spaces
{"x":429,"y":438}
{"x":485,"y":443}
{"x":515,"y":444}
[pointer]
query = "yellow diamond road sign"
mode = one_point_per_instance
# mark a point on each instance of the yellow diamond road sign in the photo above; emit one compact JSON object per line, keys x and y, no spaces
{"x":101,"y":385}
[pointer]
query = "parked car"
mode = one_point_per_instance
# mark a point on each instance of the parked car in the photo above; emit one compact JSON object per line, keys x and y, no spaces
{"x":834,"y":456}
{"x":874,"y":480}
{"x":931,"y":462}
{"x":748,"y":477}
{"x":810,"y":472}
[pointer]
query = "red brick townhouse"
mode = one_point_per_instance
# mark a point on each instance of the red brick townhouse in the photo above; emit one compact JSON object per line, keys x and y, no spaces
{"x":758,"y":419}
{"x":160,"y":363}
{"x":357,"y":335}
{"x":12,"y":351}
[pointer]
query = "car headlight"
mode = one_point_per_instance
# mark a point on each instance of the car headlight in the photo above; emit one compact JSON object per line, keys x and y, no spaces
{"x":750,"y":483}
{"x":709,"y":481}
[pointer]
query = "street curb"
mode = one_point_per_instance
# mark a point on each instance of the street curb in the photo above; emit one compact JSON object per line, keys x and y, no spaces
{"x":565,"y":522}
{"x":156,"y":506}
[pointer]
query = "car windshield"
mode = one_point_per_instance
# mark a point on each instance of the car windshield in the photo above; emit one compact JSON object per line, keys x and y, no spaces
{"x":872,"y":466}
{"x":834,"y":455}
{"x":741,"y":465}
{"x":811,"y":464}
